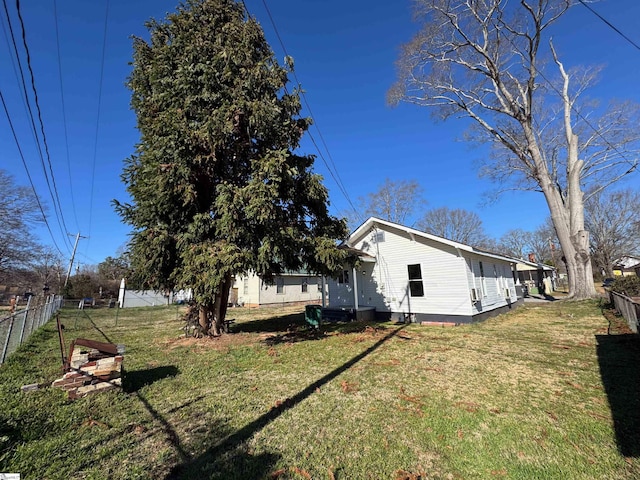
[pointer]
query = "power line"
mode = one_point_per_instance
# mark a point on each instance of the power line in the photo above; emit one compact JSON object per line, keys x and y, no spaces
{"x":56,"y":201}
{"x":575,"y":110}
{"x":15,"y":138}
{"x":613,"y":27}
{"x":95,"y":143}
{"x":22,"y":83}
{"x":64,"y":114}
{"x":336,"y":176}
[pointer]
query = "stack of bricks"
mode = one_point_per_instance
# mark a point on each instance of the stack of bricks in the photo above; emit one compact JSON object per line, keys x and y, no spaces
{"x":92,"y":367}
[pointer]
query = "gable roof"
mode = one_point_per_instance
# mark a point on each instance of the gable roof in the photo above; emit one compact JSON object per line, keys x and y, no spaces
{"x":373,"y":222}
{"x":629,"y":262}
{"x":523,"y":265}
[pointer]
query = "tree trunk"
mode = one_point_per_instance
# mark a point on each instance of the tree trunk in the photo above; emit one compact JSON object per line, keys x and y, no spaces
{"x":226,"y":287}
{"x":574,"y":244}
{"x":216,"y":324}
{"x":220,"y":305}
{"x":203,"y":318}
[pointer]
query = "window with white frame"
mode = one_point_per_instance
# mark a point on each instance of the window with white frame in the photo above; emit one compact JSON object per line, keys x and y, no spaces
{"x":305,"y":285}
{"x":245,"y":286}
{"x":280,"y":285}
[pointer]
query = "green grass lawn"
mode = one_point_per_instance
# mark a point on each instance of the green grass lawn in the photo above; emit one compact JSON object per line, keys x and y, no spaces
{"x":547,"y":392}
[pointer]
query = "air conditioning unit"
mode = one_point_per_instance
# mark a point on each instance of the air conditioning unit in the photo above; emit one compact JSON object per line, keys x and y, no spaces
{"x":475,"y":295}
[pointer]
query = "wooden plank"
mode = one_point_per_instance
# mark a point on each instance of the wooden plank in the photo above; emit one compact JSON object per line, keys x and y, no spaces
{"x":100,"y":346}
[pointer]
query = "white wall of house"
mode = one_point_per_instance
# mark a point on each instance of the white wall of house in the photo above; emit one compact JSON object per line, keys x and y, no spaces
{"x":496,"y":288}
{"x":291,"y":288}
{"x":448,"y":273}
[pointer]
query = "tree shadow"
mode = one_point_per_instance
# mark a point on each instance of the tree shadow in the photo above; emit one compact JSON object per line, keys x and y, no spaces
{"x":237,"y":464}
{"x":619,"y":361}
{"x":296,"y":334}
{"x":234,"y":444}
{"x":133,"y":381}
{"x":273,"y":324}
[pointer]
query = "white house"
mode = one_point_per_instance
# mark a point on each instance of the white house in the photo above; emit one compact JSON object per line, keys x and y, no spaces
{"x":408,"y":275}
{"x":251,"y":290}
{"x":535,"y":276}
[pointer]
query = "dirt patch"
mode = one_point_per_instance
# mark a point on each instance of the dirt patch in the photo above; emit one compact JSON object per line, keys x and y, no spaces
{"x":211,"y":343}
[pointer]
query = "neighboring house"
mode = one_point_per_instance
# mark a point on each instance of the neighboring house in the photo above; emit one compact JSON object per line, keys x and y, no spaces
{"x":533,"y":275}
{"x":289,"y":288}
{"x":409,"y":275}
{"x":626,"y":266}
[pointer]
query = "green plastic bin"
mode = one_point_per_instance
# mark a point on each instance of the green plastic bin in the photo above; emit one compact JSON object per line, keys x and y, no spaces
{"x":313,"y":315}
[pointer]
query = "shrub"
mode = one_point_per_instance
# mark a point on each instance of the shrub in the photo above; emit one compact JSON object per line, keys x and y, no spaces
{"x":629,"y":286}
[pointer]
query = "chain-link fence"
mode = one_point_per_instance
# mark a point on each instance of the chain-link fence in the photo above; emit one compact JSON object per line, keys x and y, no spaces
{"x":16,"y":328}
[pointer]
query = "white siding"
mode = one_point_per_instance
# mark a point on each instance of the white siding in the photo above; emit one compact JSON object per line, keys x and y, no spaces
{"x":497,"y":278}
{"x":448,"y":275}
{"x":292,"y":291}
{"x":262,"y":293}
{"x":446,"y":290}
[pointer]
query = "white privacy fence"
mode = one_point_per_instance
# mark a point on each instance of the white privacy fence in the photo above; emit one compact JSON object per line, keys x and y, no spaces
{"x":16,"y":328}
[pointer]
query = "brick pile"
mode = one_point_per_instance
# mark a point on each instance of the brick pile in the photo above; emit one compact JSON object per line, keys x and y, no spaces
{"x":91,"y":367}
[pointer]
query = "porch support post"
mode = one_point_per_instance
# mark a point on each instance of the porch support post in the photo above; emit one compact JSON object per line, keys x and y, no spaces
{"x":354,"y":274}
{"x":324,"y":293}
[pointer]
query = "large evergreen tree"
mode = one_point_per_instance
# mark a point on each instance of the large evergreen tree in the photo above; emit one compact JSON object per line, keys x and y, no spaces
{"x":216,"y":183}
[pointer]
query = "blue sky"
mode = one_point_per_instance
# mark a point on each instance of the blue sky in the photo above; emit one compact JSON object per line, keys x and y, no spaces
{"x":344,"y":56}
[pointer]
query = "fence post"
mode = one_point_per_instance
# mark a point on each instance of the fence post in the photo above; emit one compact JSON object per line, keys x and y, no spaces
{"x":6,"y":341}
{"x":24,"y":322}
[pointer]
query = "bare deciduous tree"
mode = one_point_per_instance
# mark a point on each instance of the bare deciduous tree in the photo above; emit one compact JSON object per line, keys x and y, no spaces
{"x":483,"y":60}
{"x":394,"y":201}
{"x":19,"y":211}
{"x":516,"y":243}
{"x":455,"y":224}
{"x":611,"y":220}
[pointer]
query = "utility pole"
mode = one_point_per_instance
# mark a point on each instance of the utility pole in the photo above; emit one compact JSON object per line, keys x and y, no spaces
{"x":73,"y":255}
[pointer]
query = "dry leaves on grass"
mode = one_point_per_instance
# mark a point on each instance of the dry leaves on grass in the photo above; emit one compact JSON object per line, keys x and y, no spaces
{"x":298,"y":471}
{"x":416,"y":403}
{"x":404,"y":475}
{"x":349,"y":387}
{"x":90,"y":422}
{"x":223,"y":342}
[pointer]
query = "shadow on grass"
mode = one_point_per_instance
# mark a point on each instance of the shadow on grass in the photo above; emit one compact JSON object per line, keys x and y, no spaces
{"x":231,"y":445}
{"x":292,"y":328}
{"x":136,"y":379}
{"x":272,"y":324}
{"x":619,"y":360}
{"x":296,"y":334}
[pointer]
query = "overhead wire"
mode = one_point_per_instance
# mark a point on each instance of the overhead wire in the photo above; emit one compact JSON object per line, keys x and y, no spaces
{"x":64,"y":113}
{"x":575,"y":110}
{"x":35,"y":194}
{"x":37,"y":103}
{"x":95,"y":142}
{"x":54,"y":197}
{"x":332,"y":171}
{"x":613,"y":27}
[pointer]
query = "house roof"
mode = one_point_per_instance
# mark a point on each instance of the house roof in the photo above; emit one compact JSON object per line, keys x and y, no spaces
{"x":362,"y":256}
{"x":524,"y":265}
{"x":373,"y":222}
{"x":627,"y":262}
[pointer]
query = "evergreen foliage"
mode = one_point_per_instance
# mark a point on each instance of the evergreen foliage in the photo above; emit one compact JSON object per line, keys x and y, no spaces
{"x":217,"y":186}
